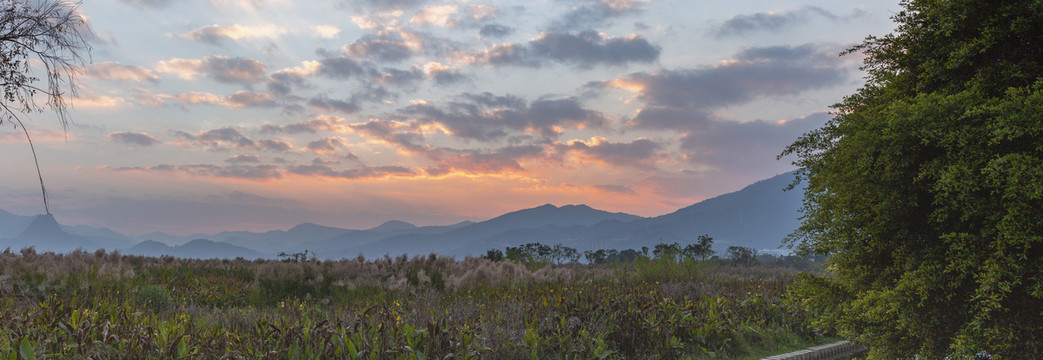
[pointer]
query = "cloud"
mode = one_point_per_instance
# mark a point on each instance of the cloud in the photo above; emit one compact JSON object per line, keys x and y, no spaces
{"x":228,"y":137}
{"x":449,"y":16}
{"x":592,"y":14}
{"x":147,"y":4}
{"x":133,"y":138}
{"x":327,"y":104}
{"x":640,"y":153}
{"x":283,"y":81}
{"x":685,"y":98}
{"x":770,"y":21}
{"x":364,"y":172}
{"x":250,"y":99}
{"x":326,"y":31}
{"x":489,"y":117}
{"x":274,"y":145}
{"x":392,"y":76}
{"x":340,"y":67}
{"x":319,"y":123}
{"x":437,"y":15}
{"x":115,"y":71}
{"x":584,"y":50}
{"x":443,"y":75}
{"x":383,"y":5}
{"x":236,"y":100}
{"x":326,"y":146}
{"x":494,"y":31}
{"x":391,"y":45}
{"x":243,"y":159}
{"x":248,"y":172}
{"x":748,"y":148}
{"x":217,"y":34}
{"x":616,"y":189}
{"x":224,"y":69}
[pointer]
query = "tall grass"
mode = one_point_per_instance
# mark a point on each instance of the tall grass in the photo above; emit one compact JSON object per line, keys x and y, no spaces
{"x":107,"y":305}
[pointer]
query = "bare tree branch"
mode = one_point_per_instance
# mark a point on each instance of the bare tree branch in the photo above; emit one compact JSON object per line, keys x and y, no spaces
{"x":47,"y":37}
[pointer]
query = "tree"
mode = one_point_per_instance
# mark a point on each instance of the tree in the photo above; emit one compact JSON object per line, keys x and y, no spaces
{"x":700,"y":250}
{"x":741,"y":255}
{"x":926,"y":188}
{"x":48,"y":38}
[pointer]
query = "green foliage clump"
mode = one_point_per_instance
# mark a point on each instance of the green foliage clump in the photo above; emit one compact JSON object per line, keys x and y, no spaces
{"x":926,"y":188}
{"x":155,"y":297}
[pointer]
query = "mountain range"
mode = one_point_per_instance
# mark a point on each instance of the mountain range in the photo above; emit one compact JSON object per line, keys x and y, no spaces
{"x":757,"y":216}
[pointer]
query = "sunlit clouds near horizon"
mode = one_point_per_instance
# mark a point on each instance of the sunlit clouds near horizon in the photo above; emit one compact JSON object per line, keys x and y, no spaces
{"x":206,"y":115}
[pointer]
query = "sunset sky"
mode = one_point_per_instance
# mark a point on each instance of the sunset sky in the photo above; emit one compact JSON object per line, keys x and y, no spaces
{"x":207,"y":115}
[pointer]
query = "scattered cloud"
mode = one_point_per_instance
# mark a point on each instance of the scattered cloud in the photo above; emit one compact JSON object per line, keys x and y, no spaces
{"x":436,"y":15}
{"x":330,"y":105}
{"x":218,"y":35}
{"x":749,"y":148}
{"x":641,"y":153}
{"x":147,"y":4}
{"x":364,"y":172}
{"x":686,"y":98}
{"x":774,"y":21}
{"x":326,"y":31}
{"x":327,"y":146}
{"x":118,"y":72}
{"x":243,"y":159}
{"x":589,"y":15}
{"x":383,"y":5}
{"x":319,"y":123}
{"x":247,"y":172}
{"x":228,"y":138}
{"x":489,"y":117}
{"x":133,"y":138}
{"x":223,"y":69}
{"x":495,"y":31}
{"x":584,"y":50}
{"x":391,"y":45}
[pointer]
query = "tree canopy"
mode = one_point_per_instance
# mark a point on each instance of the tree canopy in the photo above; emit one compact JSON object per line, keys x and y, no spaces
{"x":926,"y":187}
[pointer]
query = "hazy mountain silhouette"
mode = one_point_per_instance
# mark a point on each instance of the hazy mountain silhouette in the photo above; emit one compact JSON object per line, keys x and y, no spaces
{"x":347,"y":245}
{"x":45,"y":234}
{"x":471,"y":239}
{"x":758,"y":216}
{"x":278,"y":240}
{"x":11,"y":225}
{"x":196,"y":249}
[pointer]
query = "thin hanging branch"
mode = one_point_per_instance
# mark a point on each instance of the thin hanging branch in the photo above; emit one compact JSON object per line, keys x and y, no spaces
{"x":49,"y":36}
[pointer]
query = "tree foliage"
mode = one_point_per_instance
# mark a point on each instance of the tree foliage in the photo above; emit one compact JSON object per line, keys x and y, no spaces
{"x":926,"y":188}
{"x":43,"y":45}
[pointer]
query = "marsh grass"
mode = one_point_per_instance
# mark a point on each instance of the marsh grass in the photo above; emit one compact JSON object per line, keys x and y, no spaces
{"x":107,"y":305}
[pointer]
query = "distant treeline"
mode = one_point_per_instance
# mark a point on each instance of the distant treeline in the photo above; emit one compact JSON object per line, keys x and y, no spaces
{"x":701,"y":249}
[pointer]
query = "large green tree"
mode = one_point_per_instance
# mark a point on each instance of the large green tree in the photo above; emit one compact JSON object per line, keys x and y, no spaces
{"x":926,"y":187}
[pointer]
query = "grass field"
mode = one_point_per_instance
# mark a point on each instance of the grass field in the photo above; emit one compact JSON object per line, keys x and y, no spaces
{"x":107,"y":305}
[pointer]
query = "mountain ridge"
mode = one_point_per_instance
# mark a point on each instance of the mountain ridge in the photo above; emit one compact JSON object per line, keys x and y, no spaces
{"x":758,"y":215}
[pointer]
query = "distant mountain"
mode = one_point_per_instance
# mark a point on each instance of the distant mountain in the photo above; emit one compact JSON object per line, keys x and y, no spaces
{"x":45,"y":234}
{"x":277,"y":240}
{"x":393,"y":225}
{"x":167,"y":238}
{"x":472,"y":239}
{"x":758,"y":216}
{"x":11,"y":225}
{"x":195,"y":249}
{"x":347,"y":245}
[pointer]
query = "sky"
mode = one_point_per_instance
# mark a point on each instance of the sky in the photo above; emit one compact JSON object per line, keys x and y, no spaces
{"x":207,"y":115}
